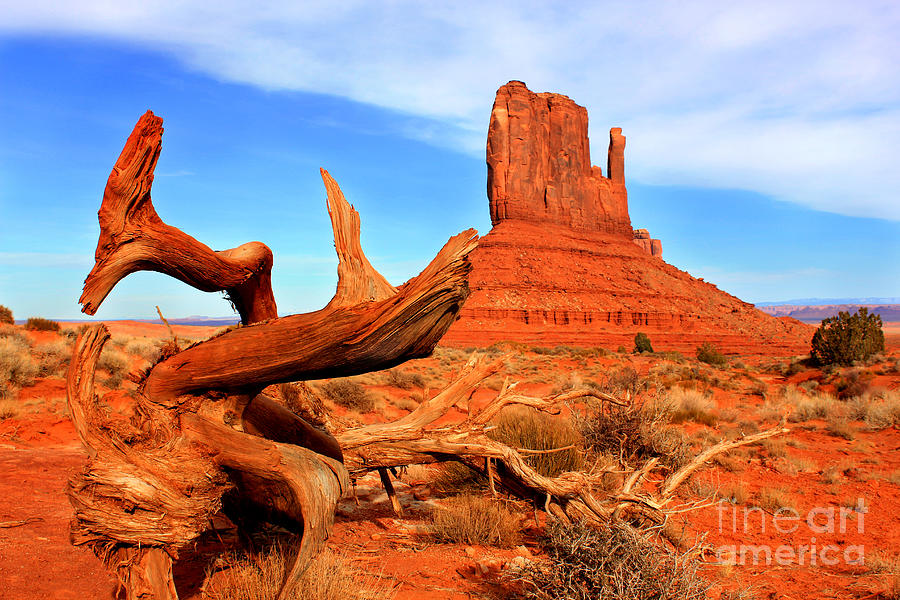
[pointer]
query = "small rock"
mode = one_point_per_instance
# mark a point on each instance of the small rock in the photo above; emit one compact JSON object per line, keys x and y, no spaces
{"x":522,"y":551}
{"x":470,"y":551}
{"x":487,"y":565}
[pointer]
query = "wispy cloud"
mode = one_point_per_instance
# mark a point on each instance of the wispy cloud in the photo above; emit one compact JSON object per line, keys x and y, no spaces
{"x":45,"y":259}
{"x":800,"y":100}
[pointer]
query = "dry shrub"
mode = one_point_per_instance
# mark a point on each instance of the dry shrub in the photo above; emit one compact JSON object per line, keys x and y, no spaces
{"x":6,"y":316}
{"x":624,"y":380}
{"x":143,"y":347}
{"x":521,"y":427}
{"x":52,"y":357}
{"x":8,"y":406}
{"x":17,"y":366}
{"x":470,"y":519}
{"x":635,"y":433}
{"x":349,"y":394}
{"x":801,"y":407}
{"x":613,"y":562}
{"x":329,"y":577}
{"x":115,"y":364}
{"x":404,"y":379}
{"x":841,"y":427}
{"x":879,"y":409}
{"x":40,"y":324}
{"x":690,"y":405}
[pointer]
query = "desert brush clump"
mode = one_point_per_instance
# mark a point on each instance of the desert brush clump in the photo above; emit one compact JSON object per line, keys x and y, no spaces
{"x":259,"y":577}
{"x":404,"y":379}
{"x":115,"y":363}
{"x":642,"y":343}
{"x":474,"y":519}
{"x":6,"y":316}
{"x":708,"y":354}
{"x":878,"y":409}
{"x":17,"y":366}
{"x":144,"y":348}
{"x":41,"y":324}
{"x":847,"y":338}
{"x":612,"y":562}
{"x":690,"y":405}
{"x":349,"y":394}
{"x":525,"y":429}
{"x":635,"y":433}
{"x":53,"y":357}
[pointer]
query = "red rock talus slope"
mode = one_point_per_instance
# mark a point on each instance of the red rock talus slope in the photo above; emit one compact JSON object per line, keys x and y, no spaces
{"x":562,"y":264}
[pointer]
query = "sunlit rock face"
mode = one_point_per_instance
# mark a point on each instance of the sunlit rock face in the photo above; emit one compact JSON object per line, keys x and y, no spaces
{"x":562,"y":263}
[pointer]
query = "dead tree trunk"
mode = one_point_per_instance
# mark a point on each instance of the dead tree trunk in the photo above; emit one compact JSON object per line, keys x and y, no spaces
{"x":201,"y":426}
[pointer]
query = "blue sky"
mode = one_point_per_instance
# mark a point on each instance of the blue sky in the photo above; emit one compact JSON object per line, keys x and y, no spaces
{"x":763,"y":140}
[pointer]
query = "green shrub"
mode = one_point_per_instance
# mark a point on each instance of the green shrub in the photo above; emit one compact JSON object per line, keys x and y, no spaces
{"x":710,"y":355}
{"x":847,"y":338}
{"x":642,"y":343}
{"x":39,"y":324}
{"x":6,"y":316}
{"x":349,"y":394}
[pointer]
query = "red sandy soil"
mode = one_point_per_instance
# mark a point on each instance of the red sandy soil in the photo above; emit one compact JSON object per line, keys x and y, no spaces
{"x":39,"y":451}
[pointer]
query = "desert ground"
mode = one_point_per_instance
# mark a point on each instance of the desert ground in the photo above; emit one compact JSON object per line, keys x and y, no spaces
{"x":840,"y":459}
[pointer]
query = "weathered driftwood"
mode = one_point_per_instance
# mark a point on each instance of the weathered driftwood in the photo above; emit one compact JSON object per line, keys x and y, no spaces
{"x":201,"y":427}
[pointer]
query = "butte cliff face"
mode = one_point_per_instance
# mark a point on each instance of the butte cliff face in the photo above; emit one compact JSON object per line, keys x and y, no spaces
{"x":562,"y":264}
{"x":539,"y":165}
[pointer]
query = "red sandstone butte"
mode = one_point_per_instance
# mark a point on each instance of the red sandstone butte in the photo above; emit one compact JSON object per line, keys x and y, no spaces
{"x":562,"y":263}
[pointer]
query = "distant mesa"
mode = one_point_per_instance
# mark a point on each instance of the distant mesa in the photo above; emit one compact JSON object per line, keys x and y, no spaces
{"x":563,"y":264}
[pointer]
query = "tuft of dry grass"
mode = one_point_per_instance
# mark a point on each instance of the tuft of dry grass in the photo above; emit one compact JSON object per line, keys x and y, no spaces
{"x":736,"y":493}
{"x":329,"y":577}
{"x":470,"y":519}
{"x":524,"y":428}
{"x":772,"y":499}
{"x":841,"y":427}
{"x":690,"y":405}
{"x":775,"y":447}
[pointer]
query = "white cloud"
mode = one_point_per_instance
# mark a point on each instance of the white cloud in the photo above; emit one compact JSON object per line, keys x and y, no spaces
{"x":800,"y":100}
